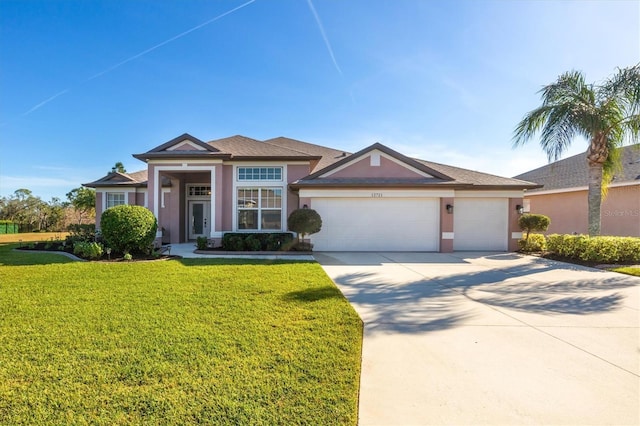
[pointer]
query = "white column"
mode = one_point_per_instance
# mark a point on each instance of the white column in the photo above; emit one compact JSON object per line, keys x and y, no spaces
{"x":212,"y":204}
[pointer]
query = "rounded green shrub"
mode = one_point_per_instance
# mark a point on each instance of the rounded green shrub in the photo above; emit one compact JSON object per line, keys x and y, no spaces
{"x":304,"y":222}
{"x":533,"y":222}
{"x":127,"y":228}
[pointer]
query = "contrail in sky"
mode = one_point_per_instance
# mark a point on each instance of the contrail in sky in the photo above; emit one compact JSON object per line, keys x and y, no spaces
{"x":324,"y":36}
{"x":151,"y":49}
{"x":46,"y":101}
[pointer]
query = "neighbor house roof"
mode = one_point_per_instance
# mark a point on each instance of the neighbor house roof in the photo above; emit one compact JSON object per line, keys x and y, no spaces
{"x":573,"y":172}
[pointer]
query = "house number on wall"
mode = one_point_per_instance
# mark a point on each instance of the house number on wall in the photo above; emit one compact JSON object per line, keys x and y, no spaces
{"x":376,"y":195}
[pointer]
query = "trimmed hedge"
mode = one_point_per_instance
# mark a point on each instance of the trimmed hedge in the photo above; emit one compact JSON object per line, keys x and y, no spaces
{"x":595,"y":249}
{"x":8,"y":227}
{"x":536,"y":242}
{"x":257,"y":241}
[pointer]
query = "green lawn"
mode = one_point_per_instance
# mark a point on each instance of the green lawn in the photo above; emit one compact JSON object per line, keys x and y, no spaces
{"x":174,"y":342}
{"x":630,"y":270}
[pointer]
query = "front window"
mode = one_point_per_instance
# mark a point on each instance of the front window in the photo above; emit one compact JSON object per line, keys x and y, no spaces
{"x":260,"y":173}
{"x":115,"y":199}
{"x":197,"y":191}
{"x":260,"y":208}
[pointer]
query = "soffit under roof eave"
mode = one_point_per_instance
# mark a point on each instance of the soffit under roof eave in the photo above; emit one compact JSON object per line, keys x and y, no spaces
{"x":173,"y":155}
{"x":274,"y":158}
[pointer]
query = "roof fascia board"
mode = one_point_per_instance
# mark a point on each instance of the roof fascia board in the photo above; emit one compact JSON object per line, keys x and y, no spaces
{"x":182,"y":138}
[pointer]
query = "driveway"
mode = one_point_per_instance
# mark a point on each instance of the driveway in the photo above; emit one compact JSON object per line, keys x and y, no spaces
{"x":492,"y":338}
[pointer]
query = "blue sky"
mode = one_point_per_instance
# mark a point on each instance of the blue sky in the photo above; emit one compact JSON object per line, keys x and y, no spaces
{"x":87,"y":83}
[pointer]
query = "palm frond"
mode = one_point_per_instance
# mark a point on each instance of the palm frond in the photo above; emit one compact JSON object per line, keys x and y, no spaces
{"x":568,"y":106}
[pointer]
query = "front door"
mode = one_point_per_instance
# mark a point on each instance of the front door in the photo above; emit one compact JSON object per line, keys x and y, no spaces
{"x":199,"y":219}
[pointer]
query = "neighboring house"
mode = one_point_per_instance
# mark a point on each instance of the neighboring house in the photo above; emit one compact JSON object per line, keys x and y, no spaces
{"x":375,"y":199}
{"x":564,"y":195}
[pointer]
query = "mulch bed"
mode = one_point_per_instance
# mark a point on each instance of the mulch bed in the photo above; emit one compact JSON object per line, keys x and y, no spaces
{"x":57,"y":247}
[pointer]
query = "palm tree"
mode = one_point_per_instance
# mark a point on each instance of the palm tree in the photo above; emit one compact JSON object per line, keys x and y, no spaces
{"x":607,"y":115}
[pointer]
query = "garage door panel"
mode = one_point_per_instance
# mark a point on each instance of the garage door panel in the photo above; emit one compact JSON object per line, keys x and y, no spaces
{"x":377,"y":224}
{"x":480,"y":224}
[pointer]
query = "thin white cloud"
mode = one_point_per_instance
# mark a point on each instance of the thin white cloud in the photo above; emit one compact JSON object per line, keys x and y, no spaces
{"x":138,"y":55}
{"x":46,"y":101}
{"x":324,"y":36}
{"x":174,"y":38}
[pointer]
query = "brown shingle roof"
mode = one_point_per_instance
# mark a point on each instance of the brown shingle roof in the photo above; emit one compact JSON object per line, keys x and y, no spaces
{"x":243,"y":147}
{"x":466,"y":176}
{"x":329,"y":155}
{"x":573,"y":172}
{"x":135,"y":179}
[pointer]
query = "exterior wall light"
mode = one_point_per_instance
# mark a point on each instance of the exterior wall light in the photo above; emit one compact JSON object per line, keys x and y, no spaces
{"x":449,"y":209}
{"x":305,"y":206}
{"x":519,"y":209}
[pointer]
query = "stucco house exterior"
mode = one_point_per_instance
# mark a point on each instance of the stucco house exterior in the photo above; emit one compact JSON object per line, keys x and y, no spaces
{"x":564,"y":195}
{"x":371,"y":200}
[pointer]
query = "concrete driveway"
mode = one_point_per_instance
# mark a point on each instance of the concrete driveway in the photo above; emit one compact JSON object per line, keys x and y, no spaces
{"x":473,"y":338}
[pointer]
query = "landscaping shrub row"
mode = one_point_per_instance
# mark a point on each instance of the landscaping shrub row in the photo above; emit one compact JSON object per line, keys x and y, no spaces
{"x":258,"y":241}
{"x":595,"y":249}
{"x":585,"y":248}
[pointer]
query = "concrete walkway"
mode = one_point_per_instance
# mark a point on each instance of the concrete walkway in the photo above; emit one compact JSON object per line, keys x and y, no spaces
{"x":472,"y":338}
{"x":188,"y":250}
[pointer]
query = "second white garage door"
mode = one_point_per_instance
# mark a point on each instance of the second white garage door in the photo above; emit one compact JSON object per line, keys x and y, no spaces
{"x":480,"y":224}
{"x":386,"y":224}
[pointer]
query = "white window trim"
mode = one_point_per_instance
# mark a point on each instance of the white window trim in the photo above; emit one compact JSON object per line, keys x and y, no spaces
{"x":125,"y":198}
{"x":237,"y":173}
{"x":260,"y":208}
{"x":260,"y":184}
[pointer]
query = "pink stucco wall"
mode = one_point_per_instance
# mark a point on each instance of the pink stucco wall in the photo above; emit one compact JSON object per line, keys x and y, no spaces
{"x":514,"y":216}
{"x":294,"y":172}
{"x":620,"y":211}
{"x":386,"y":169}
{"x":446,"y":224}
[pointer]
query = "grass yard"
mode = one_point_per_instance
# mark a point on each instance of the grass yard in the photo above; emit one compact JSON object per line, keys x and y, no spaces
{"x":631,"y":270}
{"x":32,"y":237}
{"x":174,"y":342}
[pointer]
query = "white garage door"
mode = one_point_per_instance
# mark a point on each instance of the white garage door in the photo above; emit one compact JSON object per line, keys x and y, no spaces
{"x":480,"y":224}
{"x":387,"y":224}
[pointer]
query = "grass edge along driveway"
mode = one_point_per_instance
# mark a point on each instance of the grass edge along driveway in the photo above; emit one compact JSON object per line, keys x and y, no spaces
{"x":174,"y":342}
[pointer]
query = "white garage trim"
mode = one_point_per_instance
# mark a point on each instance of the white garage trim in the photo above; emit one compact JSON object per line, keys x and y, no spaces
{"x":489,"y":194}
{"x":377,"y":224}
{"x":374,"y":193}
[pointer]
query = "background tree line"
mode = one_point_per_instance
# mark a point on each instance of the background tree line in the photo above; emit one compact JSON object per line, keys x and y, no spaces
{"x":32,"y":214}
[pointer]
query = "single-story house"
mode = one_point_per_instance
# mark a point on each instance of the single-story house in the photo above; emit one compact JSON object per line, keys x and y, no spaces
{"x":564,"y":195}
{"x":371,"y":200}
